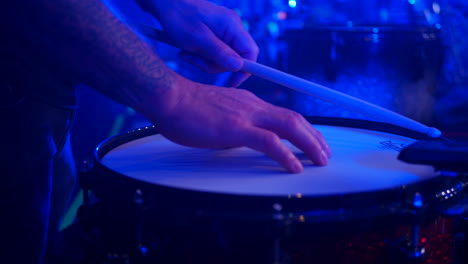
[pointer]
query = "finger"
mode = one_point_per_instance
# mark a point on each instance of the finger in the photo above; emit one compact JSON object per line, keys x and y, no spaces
{"x":238,"y":78}
{"x":319,"y":136}
{"x":269,"y":143}
{"x":231,"y":30}
{"x":243,"y":43}
{"x":205,"y":65}
{"x":289,"y":125}
{"x":211,"y":48}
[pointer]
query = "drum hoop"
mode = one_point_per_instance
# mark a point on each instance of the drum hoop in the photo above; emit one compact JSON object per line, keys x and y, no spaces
{"x":103,"y":148}
{"x":398,"y":200}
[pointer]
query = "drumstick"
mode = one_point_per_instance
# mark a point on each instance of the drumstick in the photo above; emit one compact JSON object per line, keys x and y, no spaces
{"x":316,"y":90}
{"x":337,"y":98}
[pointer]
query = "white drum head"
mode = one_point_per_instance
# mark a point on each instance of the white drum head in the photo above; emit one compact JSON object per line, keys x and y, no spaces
{"x":363,"y":160}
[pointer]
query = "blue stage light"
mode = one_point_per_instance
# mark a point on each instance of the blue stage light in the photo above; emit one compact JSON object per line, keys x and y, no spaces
{"x":292,"y":3}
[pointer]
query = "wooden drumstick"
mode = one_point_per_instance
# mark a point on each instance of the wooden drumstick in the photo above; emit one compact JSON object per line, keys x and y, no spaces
{"x":337,"y":98}
{"x":314,"y":89}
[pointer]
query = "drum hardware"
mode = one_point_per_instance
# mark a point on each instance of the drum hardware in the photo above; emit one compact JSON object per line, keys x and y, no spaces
{"x":416,"y":252}
{"x":84,"y":172}
{"x":277,"y":241}
{"x":459,"y":212}
{"x":85,"y":169}
{"x":89,"y":215}
{"x":280,"y":228}
{"x":139,"y":201}
{"x":84,"y":214}
{"x":454,"y":203}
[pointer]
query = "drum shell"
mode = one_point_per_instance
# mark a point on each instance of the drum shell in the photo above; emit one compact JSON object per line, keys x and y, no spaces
{"x":183,"y":229}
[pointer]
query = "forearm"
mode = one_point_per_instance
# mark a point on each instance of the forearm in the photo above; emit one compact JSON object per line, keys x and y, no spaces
{"x":85,"y":41}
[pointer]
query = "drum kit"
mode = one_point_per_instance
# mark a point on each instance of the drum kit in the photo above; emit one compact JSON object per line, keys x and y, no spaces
{"x":159,"y":202}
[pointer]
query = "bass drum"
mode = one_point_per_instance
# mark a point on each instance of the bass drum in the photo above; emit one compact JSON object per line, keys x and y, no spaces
{"x":160,"y":202}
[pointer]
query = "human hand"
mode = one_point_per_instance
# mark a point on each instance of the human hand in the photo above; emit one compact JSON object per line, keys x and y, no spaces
{"x":207,"y":116}
{"x":211,"y":37}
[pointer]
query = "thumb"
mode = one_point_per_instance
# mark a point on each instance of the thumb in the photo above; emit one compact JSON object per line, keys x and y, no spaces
{"x":211,"y":48}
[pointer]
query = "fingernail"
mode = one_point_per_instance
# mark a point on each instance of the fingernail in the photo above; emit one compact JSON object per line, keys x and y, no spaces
{"x":296,"y":167}
{"x":234,"y":63}
{"x":324,"y":157}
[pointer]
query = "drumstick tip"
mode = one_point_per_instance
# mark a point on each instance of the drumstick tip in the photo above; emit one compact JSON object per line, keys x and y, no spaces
{"x":433,"y":132}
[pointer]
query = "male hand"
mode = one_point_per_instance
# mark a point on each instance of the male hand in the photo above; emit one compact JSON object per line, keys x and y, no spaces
{"x":211,"y":37}
{"x":204,"y":116}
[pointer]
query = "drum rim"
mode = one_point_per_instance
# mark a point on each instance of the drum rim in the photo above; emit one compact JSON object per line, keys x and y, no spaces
{"x":315,"y":208}
{"x":107,"y":145}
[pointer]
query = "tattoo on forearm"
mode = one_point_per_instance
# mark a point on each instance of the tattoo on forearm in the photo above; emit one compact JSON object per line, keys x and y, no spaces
{"x":116,"y":60}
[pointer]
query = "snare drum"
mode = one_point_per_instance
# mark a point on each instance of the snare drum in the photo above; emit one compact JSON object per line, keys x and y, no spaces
{"x":164,"y":202}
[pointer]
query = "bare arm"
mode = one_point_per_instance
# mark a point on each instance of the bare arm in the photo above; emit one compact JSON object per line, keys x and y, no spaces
{"x":83,"y":40}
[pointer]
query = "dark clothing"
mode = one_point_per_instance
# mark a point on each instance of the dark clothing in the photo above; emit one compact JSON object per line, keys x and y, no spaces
{"x":36,"y":111}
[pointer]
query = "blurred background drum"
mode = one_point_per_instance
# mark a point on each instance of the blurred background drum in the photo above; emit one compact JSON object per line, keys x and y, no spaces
{"x":387,"y":52}
{"x":395,"y":67}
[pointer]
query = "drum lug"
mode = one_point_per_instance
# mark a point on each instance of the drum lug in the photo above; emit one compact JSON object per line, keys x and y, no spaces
{"x":85,"y":171}
{"x":406,"y":253}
